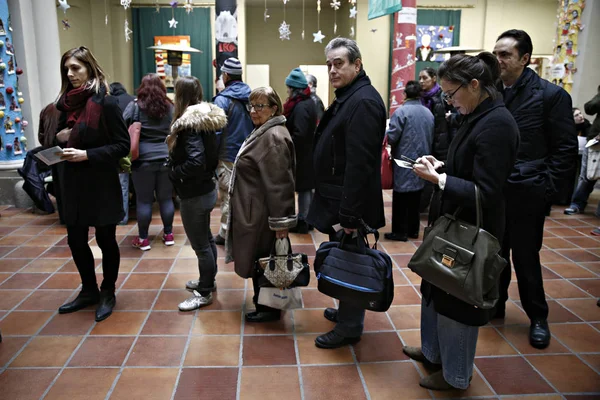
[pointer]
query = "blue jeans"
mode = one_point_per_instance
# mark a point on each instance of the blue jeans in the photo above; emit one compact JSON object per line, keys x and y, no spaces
{"x":584,"y":188}
{"x":450,"y":343}
{"x":304,"y":199}
{"x":150,"y":178}
{"x":124,"y":179}
{"x":195,"y":215}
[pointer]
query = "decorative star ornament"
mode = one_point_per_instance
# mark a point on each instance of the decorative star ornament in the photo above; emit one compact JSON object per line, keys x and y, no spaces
{"x":188,"y":6}
{"x":318,"y":37}
{"x":285,"y":1}
{"x":157,"y":8}
{"x":353,"y":12}
{"x":128,"y":31}
{"x":284,"y":31}
{"x":126,"y":3}
{"x":173,"y":4}
{"x":318,"y":5}
{"x":173,"y":23}
{"x":335,"y":4}
{"x":266,"y":15}
{"x":66,"y":25}
{"x":351,"y":31}
{"x":63,"y":5}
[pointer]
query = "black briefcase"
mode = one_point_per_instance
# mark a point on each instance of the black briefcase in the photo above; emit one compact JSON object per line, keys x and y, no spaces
{"x":353,"y":272}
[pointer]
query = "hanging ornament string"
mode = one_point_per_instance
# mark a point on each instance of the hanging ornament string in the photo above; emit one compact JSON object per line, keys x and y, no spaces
{"x":303,"y":10}
{"x":266,"y":14}
{"x":318,"y":36}
{"x":353,"y":12}
{"x":284,"y":28}
{"x":105,"y":13}
{"x":189,"y":7}
{"x":173,"y":22}
{"x":335,"y":4}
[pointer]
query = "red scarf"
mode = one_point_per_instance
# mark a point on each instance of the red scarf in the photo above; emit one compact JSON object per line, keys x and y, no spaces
{"x":84,"y":109}
{"x":291,"y":102}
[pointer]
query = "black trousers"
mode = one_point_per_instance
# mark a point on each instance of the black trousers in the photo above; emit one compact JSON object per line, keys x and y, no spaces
{"x":524,"y":235}
{"x":405,"y":212}
{"x":77,"y":237}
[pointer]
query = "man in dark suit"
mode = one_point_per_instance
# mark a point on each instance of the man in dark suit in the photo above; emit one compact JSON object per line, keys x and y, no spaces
{"x":347,"y":162}
{"x":547,"y":154}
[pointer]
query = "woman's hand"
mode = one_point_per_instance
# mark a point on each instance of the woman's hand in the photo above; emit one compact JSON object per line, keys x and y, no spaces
{"x":74,"y":155}
{"x":63,"y":136}
{"x":434,"y":161}
{"x":425,"y":169}
{"x":281,"y":234}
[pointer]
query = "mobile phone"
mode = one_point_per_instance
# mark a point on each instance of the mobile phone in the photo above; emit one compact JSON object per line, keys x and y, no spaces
{"x":408,"y":160}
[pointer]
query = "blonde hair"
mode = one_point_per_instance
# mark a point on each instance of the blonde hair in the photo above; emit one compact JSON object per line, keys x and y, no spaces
{"x":271,"y":95}
{"x":97,"y":78}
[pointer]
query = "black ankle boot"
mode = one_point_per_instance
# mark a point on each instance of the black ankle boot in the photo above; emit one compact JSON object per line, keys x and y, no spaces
{"x":84,"y":299}
{"x":301,"y":227}
{"x":107,"y":303}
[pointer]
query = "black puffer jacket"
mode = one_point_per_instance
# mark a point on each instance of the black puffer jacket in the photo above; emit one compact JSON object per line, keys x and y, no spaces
{"x":548,"y":150}
{"x":193,"y":149}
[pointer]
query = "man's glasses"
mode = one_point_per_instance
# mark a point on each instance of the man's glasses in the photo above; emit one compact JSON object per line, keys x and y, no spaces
{"x":257,"y":107}
{"x":448,"y":97}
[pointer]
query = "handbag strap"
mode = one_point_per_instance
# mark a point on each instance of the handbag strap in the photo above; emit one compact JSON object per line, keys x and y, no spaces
{"x":136,"y":112}
{"x":290,"y":258}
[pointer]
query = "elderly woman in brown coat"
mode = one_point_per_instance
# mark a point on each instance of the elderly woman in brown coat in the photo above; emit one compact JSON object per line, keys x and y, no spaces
{"x":262,"y":193}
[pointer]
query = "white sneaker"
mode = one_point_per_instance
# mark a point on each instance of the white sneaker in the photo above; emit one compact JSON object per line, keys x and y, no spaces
{"x":193,"y":285}
{"x":196,"y":301}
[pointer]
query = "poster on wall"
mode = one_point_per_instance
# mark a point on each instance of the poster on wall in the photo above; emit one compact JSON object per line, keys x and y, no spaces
{"x":160,"y":58}
{"x":563,"y":64}
{"x":403,"y":52}
{"x":431,"y":38}
{"x":226,"y":35}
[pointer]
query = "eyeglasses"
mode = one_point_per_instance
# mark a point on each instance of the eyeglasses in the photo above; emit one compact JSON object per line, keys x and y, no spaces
{"x":448,"y":97}
{"x":257,"y":107}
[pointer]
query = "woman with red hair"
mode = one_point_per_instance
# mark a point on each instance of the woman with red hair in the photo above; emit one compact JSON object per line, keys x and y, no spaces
{"x":154,"y":111}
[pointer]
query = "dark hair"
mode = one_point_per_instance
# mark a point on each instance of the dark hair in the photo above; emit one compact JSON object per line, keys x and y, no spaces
{"x":350,"y":46}
{"x":462,"y":68}
{"x":117,"y":88}
{"x":188,"y":91}
{"x":152,"y":97}
{"x":96,"y":78}
{"x":49,"y":118}
{"x":412,"y":90}
{"x":430,"y":72}
{"x":524,"y":44}
{"x":575,"y":109}
{"x":233,"y":77}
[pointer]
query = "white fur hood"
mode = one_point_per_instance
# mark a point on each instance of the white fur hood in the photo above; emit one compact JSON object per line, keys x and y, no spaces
{"x":201,"y":117}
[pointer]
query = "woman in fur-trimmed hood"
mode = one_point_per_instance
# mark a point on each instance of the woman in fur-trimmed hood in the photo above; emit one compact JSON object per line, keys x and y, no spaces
{"x":193,"y":156}
{"x":262,"y":203}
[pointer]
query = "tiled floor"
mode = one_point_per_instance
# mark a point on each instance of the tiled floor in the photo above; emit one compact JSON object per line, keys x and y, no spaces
{"x":149,"y":350}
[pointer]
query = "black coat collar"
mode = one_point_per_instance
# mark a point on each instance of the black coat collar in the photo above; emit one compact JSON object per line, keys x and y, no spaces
{"x":344,"y":93}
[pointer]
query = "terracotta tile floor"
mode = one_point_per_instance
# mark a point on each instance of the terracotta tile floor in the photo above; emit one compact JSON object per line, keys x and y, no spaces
{"x":149,"y":350}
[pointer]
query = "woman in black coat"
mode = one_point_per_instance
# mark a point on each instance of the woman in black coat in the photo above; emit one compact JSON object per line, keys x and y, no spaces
{"x":482,"y":153}
{"x":93,"y":136}
{"x":301,"y":115}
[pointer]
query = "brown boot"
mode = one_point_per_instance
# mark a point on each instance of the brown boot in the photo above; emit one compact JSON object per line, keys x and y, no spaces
{"x":416,"y":354}
{"x":436,"y":381}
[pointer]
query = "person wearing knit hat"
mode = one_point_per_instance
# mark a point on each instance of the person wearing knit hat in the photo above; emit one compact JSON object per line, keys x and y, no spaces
{"x":233,"y":99}
{"x":296,"y":79}
{"x":232,"y":66}
{"x":301,"y":121}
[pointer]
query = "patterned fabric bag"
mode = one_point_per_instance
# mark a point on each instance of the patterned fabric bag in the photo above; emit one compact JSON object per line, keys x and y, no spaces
{"x":282,"y":267}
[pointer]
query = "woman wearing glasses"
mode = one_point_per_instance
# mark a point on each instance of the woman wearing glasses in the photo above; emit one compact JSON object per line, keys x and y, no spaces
{"x":193,"y":157}
{"x":482,"y":153}
{"x":261,"y":192}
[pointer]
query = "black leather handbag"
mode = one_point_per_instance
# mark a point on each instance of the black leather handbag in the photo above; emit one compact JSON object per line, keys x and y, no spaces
{"x":353,"y":272}
{"x":460,"y":258}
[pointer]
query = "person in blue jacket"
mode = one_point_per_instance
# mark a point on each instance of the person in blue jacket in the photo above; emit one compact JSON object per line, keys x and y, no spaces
{"x":234,"y":101}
